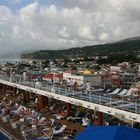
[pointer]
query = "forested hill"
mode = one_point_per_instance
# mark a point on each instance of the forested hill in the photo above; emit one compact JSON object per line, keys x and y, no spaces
{"x":124,"y":46}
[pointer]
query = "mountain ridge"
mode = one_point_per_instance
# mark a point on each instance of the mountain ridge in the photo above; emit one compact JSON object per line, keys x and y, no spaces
{"x":130,"y":39}
{"x":128,"y":45}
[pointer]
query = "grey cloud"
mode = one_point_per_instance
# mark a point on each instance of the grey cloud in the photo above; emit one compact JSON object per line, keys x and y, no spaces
{"x":76,"y":23}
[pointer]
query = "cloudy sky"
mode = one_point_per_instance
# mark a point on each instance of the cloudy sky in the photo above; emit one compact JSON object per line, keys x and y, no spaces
{"x":58,"y":24}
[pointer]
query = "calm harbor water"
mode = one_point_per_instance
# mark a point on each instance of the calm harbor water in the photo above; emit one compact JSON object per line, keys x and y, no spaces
{"x":4,"y":61}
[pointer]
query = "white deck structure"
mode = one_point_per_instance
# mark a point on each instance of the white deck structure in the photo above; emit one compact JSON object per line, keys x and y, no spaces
{"x":107,"y":104}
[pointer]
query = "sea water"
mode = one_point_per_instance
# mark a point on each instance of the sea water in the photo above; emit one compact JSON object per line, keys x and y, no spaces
{"x":4,"y":61}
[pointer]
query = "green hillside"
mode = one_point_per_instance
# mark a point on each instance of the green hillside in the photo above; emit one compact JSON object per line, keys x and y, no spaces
{"x":127,"y":46}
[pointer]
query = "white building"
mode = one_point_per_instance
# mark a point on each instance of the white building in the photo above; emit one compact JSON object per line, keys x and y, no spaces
{"x":115,"y":69}
{"x":95,"y":80}
{"x":74,"y":78}
{"x":139,"y":68}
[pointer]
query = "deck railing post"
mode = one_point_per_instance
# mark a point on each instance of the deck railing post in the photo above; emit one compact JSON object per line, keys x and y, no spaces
{"x":99,"y":98}
{"x":136,"y":106}
{"x":110,"y":100}
{"x":122,"y":104}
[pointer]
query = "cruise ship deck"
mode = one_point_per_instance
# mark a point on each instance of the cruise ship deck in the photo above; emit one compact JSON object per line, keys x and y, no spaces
{"x":118,"y":107}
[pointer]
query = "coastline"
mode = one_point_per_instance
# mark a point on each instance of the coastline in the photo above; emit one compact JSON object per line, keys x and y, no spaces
{"x":4,"y":61}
